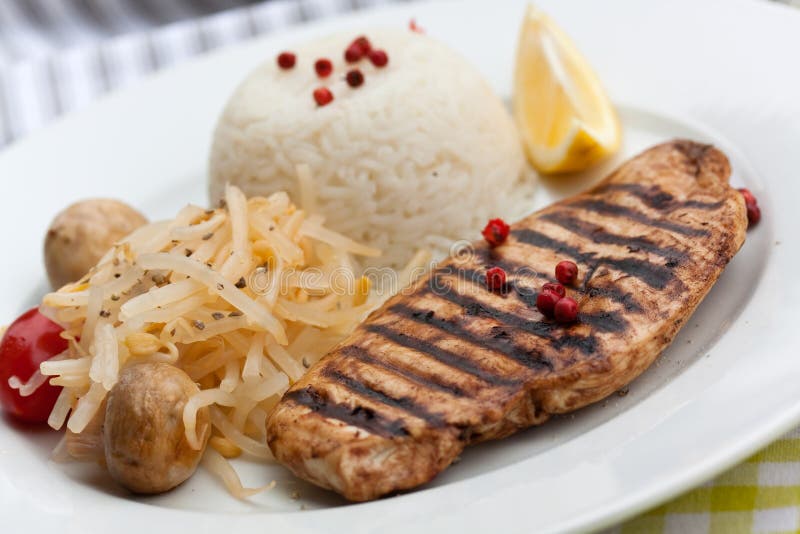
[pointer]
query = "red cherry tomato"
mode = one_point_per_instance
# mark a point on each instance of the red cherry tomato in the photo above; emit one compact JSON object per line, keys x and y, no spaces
{"x":30,"y":340}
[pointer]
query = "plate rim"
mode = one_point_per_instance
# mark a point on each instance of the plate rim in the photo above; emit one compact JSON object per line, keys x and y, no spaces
{"x":634,"y":503}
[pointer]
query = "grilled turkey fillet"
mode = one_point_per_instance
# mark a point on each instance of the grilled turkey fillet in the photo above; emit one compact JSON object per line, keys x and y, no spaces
{"x":451,"y":363}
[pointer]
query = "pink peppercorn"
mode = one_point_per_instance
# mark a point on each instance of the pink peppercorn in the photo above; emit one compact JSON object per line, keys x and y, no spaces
{"x":353,"y":53}
{"x":362,"y":43}
{"x":546,"y":302}
{"x":378,"y":58}
{"x":495,"y":232}
{"x":354,"y":78}
{"x":323,"y":96}
{"x":495,"y":278}
{"x":566,"y":310}
{"x":566,"y":272}
{"x":323,"y":67}
{"x":286,"y":60}
{"x":558,"y":289}
{"x":753,"y":211}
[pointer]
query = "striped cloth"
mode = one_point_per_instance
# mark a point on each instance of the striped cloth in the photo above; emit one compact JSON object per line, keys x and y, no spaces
{"x":761,"y":495}
{"x":60,"y":55}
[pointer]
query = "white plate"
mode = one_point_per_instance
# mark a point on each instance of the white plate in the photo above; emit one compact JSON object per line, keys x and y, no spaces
{"x":722,"y":71}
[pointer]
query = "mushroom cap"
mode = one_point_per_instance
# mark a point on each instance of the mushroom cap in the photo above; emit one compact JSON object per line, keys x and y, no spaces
{"x":144,"y":438}
{"x":81,"y":234}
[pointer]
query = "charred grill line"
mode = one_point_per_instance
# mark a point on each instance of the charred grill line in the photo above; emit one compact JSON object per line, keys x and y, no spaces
{"x":615,"y":210}
{"x":492,"y":257}
{"x":477,"y":277}
{"x":542,"y":329}
{"x":528,"y":294}
{"x":694,"y":152}
{"x":444,"y":356}
{"x":406,"y":404}
{"x":626,"y":298}
{"x":599,"y":235}
{"x":656,"y":276}
{"x":656,"y":198}
{"x":611,"y":321}
{"x":605,"y":321}
{"x":503,"y":345}
{"x":362,"y":355}
{"x":358,"y":416}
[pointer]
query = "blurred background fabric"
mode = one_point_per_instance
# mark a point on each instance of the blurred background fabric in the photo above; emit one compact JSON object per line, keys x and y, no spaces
{"x":58,"y":56}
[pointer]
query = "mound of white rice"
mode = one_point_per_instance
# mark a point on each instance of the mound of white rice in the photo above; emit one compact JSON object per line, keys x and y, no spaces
{"x":420,"y":155}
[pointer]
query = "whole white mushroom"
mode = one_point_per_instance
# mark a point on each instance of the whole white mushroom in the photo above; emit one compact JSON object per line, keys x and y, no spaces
{"x":80,"y":235}
{"x":144,"y":438}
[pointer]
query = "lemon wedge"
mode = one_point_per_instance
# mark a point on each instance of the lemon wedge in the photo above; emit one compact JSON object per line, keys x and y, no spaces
{"x":564,"y":116}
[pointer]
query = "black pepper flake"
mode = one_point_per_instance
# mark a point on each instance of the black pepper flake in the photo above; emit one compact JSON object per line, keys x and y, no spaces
{"x":115,"y":297}
{"x":217,"y":315}
{"x":235,"y":313}
{"x":241,"y":283}
{"x":172,"y":332}
{"x":220,"y":287}
{"x":200,"y":325}
{"x":208,"y":236}
{"x":105,"y":313}
{"x":188,"y":252}
{"x":117,"y":275}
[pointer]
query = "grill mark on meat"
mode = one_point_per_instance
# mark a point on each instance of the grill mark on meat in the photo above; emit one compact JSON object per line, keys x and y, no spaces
{"x":478,"y":278}
{"x":492,"y":257}
{"x":357,"y":416}
{"x":599,"y":235}
{"x":615,"y":210}
{"x":612,"y":292}
{"x":515,"y":272}
{"x":608,"y":321}
{"x":437,"y":383}
{"x":506,"y":347}
{"x":611,"y":321}
{"x":656,"y":276}
{"x":655,"y":197}
{"x":443,"y":356}
{"x":359,"y":387}
{"x":694,"y":152}
{"x":527,"y":294}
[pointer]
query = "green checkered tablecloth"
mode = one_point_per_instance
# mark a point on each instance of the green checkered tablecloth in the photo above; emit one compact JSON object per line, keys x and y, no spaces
{"x":762,"y":494}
